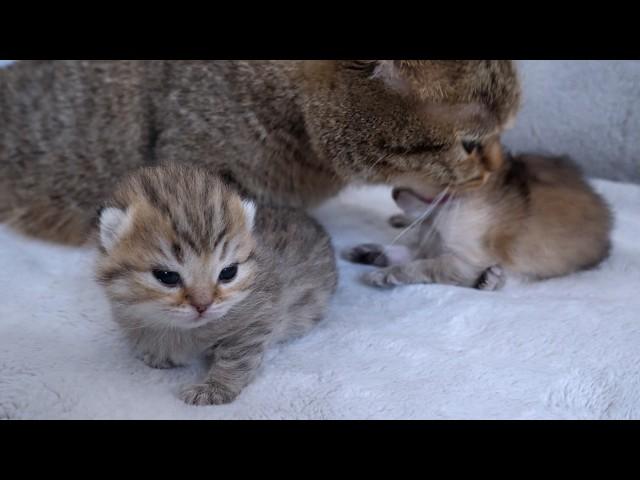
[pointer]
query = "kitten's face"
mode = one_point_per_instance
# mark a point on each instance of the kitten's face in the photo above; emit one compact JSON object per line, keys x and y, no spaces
{"x":167,"y":268}
{"x":380,"y":121}
{"x":485,"y":158}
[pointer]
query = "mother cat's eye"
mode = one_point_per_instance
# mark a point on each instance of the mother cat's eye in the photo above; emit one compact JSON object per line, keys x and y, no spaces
{"x":470,"y":146}
{"x":170,"y":279}
{"x":229,"y":273}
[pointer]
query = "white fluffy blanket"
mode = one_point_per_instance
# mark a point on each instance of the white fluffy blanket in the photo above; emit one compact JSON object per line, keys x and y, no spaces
{"x":564,"y":348}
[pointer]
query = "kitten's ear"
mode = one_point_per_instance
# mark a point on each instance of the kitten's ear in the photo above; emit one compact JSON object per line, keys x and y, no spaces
{"x":114,"y":222}
{"x":249,"y":209}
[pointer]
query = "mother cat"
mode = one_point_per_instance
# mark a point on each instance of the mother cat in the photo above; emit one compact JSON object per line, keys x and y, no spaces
{"x":285,"y":132}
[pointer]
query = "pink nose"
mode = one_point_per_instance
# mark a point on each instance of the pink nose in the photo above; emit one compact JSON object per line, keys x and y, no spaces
{"x":201,"y":307}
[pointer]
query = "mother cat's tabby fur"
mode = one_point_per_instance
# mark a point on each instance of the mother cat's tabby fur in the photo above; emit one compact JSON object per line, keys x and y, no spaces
{"x":287,"y":132}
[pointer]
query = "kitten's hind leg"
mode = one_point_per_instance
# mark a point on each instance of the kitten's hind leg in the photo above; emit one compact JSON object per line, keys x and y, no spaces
{"x":377,"y":255}
{"x":235,"y":360}
{"x":492,"y":279}
{"x":446,"y":269}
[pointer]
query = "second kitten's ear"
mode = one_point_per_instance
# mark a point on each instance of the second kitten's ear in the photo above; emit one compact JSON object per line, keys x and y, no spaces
{"x":114,"y":222}
{"x":249,"y":209}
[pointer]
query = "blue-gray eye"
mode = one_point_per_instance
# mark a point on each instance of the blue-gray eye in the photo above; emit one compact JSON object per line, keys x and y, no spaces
{"x":170,"y":279}
{"x":470,"y":146}
{"x":229,"y":273}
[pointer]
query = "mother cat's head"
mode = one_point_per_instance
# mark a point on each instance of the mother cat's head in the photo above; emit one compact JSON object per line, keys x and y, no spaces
{"x":382,"y":120}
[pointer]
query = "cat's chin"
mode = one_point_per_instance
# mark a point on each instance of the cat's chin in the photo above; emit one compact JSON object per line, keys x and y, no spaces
{"x":193,"y":320}
{"x":192,"y":324}
{"x":160,"y":317}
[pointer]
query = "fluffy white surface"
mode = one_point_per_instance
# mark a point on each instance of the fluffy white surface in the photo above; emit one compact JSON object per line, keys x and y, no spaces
{"x":564,"y":348}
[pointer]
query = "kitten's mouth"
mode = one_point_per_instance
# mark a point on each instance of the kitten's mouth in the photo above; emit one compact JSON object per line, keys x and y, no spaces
{"x":398,"y":191}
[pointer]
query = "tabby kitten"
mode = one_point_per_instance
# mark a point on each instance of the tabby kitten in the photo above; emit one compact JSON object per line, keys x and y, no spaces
{"x":284,"y":132}
{"x":192,"y":269}
{"x":531,"y":216}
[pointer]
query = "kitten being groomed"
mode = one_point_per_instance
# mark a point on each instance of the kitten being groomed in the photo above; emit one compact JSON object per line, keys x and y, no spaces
{"x":191,"y":269}
{"x":531,"y":216}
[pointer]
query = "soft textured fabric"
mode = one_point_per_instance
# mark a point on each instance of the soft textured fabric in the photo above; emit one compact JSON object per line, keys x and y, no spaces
{"x":563,"y":348}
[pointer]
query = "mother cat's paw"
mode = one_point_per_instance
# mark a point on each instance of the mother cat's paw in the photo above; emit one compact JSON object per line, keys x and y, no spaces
{"x":207,"y":394}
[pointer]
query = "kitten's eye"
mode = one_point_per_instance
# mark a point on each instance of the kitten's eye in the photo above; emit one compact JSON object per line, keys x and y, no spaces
{"x":228,"y":274}
{"x":170,"y":279}
{"x":470,"y":146}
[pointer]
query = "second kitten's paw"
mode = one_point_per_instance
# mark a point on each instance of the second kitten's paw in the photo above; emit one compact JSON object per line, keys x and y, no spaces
{"x":207,"y":394}
{"x":380,"y":278}
{"x":366,"y":254}
{"x":493,"y":278}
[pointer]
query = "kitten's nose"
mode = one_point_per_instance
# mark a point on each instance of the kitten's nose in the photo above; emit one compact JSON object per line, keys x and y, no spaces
{"x":201,"y":307}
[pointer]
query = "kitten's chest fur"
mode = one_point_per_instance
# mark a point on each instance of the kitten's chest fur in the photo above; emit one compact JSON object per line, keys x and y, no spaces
{"x":536,"y":217}
{"x":460,"y":227}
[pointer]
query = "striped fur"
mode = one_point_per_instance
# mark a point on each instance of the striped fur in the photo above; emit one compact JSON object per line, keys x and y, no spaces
{"x":285,"y":132}
{"x":184,"y":219}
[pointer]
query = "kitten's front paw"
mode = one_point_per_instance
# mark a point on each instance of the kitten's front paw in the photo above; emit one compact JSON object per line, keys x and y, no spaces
{"x":366,"y":254}
{"x":207,"y":394}
{"x":380,"y":278}
{"x":493,"y":278}
{"x":156,"y":361}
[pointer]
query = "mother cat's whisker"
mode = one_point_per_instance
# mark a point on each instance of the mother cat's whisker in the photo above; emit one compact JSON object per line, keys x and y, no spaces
{"x":374,"y":164}
{"x":441,"y":214}
{"x":427,"y":212}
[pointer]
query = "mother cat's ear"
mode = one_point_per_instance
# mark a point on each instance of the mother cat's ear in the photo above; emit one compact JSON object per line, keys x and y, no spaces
{"x":490,"y":85}
{"x":454,"y":80}
{"x":249,"y":209}
{"x":398,"y":75}
{"x":114,"y":223}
